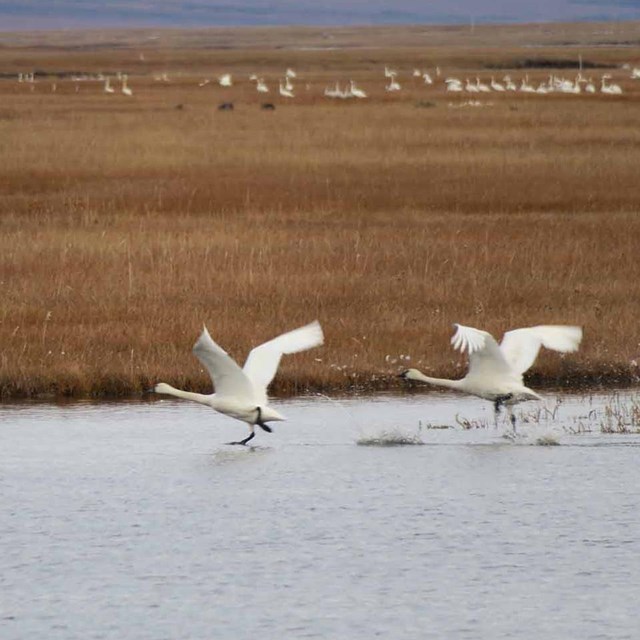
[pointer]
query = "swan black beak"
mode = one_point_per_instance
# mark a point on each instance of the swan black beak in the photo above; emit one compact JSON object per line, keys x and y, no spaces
{"x":403,"y":375}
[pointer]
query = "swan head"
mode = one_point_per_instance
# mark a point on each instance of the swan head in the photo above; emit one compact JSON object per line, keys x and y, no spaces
{"x":409,"y":374}
{"x":161,"y":387}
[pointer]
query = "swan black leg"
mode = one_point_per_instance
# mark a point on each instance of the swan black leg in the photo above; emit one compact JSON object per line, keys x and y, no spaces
{"x":496,"y":406}
{"x":249,"y":437}
{"x":261,"y":424}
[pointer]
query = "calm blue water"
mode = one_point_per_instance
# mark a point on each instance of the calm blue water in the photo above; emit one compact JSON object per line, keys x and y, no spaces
{"x":134,"y":520}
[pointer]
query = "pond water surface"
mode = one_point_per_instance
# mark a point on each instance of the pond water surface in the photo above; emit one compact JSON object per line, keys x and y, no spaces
{"x":135,"y":520}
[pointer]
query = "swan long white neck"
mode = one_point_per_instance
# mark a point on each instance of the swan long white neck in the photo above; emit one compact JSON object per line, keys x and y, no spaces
{"x":165,"y":388}
{"x":440,"y":382}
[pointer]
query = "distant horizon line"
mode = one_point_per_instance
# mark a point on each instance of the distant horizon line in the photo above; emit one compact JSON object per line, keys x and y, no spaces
{"x":478,"y":22}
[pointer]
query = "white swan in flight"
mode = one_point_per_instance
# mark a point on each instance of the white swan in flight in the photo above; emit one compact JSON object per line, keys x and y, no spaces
{"x":242,"y":393}
{"x":495,"y":372}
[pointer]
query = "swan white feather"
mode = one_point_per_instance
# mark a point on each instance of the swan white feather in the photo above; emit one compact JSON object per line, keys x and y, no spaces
{"x":263,"y":361}
{"x":495,"y":371}
{"x":242,"y":393}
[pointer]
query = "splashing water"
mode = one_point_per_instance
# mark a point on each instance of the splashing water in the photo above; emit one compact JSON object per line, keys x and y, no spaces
{"x":396,"y":437}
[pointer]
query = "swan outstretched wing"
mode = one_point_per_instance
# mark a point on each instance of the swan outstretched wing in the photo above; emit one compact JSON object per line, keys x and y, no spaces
{"x":521,"y":346}
{"x":485,"y":357}
{"x":228,"y":378}
{"x":263,"y":361}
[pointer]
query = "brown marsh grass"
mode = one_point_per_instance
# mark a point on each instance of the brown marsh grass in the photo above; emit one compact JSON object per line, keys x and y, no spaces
{"x":127,"y":223}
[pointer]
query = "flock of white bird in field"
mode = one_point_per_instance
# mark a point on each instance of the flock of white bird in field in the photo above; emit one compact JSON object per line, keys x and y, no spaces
{"x":554,"y":83}
{"x":495,"y":371}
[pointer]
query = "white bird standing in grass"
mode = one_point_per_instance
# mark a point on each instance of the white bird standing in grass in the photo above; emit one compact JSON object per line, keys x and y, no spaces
{"x":287,"y":93}
{"x":356,"y":92}
{"x":393,"y":85}
{"x":126,"y":90}
{"x":611,"y":89}
{"x":242,"y":393}
{"x":495,"y":372}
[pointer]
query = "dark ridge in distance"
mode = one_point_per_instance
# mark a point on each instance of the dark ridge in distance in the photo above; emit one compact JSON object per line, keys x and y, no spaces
{"x":545,"y":63}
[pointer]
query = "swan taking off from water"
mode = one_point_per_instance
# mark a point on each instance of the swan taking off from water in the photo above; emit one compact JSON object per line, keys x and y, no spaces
{"x":495,"y":372}
{"x":242,"y":393}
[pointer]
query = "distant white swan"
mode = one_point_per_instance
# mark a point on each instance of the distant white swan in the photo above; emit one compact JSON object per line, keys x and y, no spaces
{"x":287,"y":93}
{"x":496,"y":86}
{"x":611,"y":89}
{"x":125,"y":88}
{"x":471,"y":88}
{"x":525,"y":86}
{"x":356,"y":92}
{"x":225,"y":80}
{"x":332,"y":92}
{"x":495,"y":372}
{"x":484,"y":88}
{"x":509,"y":84}
{"x":242,"y":393}
{"x":107,"y":87}
{"x":393,"y":85}
{"x":261,"y":87}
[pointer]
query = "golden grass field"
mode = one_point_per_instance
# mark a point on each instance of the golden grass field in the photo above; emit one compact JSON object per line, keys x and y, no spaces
{"x":128,"y":222}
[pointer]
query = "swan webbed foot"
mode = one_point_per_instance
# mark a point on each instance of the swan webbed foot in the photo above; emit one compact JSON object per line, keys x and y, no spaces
{"x":262,"y":425}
